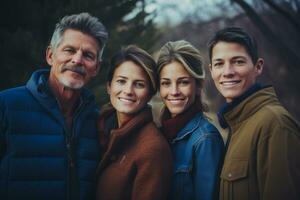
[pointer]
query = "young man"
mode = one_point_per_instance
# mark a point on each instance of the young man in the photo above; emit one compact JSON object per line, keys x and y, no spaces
{"x":48,"y":138}
{"x":262,"y":160}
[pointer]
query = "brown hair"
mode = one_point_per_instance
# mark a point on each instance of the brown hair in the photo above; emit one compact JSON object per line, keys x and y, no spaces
{"x":139,"y":57}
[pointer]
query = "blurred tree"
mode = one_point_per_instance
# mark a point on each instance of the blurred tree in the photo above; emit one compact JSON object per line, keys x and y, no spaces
{"x":278,"y":21}
{"x":26,"y":28}
{"x":291,"y":17}
{"x":278,"y":70}
{"x":291,"y":58}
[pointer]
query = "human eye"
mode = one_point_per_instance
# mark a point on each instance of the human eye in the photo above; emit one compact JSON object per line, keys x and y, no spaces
{"x":69,"y":50}
{"x":184,"y":82}
{"x":139,"y":85}
{"x":239,"y":62}
{"x":217,"y":64}
{"x":121,"y":81}
{"x":89,"y":56}
{"x":165,"y":83}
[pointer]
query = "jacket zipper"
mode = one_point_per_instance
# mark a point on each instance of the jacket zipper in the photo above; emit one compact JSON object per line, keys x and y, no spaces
{"x":73,"y":180}
{"x":70,"y":162}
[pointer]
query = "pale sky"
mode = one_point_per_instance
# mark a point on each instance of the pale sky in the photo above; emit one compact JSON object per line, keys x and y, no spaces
{"x":174,"y":11}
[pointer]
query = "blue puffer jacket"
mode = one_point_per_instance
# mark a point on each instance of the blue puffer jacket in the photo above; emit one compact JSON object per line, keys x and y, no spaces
{"x":40,"y":159}
{"x":198,"y":153}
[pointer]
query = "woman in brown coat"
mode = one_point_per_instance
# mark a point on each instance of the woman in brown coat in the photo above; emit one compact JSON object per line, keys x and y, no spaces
{"x":137,"y":162}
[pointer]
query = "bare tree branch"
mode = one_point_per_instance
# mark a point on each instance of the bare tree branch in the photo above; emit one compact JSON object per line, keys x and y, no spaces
{"x":284,"y":13}
{"x":287,"y":54}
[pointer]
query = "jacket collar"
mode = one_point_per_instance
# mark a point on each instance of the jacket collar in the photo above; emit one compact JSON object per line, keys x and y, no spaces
{"x":249,"y":105}
{"x":189,"y":127}
{"x":172,"y":126}
{"x":141,"y":118}
{"x":39,"y":88}
{"x":229,"y":106}
{"x":117,"y":138}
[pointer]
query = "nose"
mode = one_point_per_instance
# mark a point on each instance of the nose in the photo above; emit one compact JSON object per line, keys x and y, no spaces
{"x":228,"y":70}
{"x":128,"y":89}
{"x":77,"y":58}
{"x":174,"y":90}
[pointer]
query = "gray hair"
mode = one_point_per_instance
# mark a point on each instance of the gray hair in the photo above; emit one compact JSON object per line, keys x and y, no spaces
{"x":83,"y":22}
{"x":184,"y":53}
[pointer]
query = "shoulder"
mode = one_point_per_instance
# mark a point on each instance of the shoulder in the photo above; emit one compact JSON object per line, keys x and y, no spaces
{"x":13,"y":95}
{"x":275,"y":115}
{"x":205,"y":129}
{"x":12,"y":92}
{"x":151,"y":141}
{"x":273,"y":119}
{"x":151,"y":136}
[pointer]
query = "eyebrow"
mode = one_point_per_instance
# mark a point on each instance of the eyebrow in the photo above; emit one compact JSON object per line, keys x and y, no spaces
{"x":83,"y":49}
{"x":122,"y":77}
{"x":125,"y":77}
{"x":235,"y":57}
{"x":218,"y":59}
{"x":184,"y":77}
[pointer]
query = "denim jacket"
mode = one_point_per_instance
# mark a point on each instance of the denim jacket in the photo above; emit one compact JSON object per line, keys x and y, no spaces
{"x":198,"y":154}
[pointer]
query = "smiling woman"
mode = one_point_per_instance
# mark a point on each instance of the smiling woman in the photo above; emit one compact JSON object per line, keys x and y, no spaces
{"x":136,"y":162}
{"x":128,"y":90}
{"x":196,"y":144}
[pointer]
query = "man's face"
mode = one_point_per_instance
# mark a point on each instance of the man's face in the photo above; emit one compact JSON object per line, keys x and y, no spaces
{"x":74,"y":62}
{"x":232,"y":69}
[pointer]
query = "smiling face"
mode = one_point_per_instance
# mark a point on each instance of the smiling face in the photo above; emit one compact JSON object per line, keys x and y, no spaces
{"x":74,"y":62}
{"x":178,"y":89}
{"x":129,"y":90}
{"x":233,"y":70}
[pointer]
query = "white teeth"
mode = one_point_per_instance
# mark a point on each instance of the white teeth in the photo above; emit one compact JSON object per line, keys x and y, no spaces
{"x":175,"y":101}
{"x":126,"y":100}
{"x":229,"y":83}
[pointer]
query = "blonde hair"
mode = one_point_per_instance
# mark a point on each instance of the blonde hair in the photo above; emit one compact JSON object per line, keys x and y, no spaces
{"x":184,"y":53}
{"x":190,"y":58}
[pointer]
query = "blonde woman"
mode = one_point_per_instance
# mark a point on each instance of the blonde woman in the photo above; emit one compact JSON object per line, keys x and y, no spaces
{"x":196,"y":144}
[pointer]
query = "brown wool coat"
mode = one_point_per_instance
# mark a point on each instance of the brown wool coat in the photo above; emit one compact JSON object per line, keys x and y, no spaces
{"x":263,"y":158}
{"x":137,"y":162}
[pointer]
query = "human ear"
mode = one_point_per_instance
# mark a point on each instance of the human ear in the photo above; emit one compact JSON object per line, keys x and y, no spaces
{"x":97,"y":69}
{"x":108,"y":87}
{"x":259,"y":66}
{"x":209,"y":66}
{"x":49,"y":54}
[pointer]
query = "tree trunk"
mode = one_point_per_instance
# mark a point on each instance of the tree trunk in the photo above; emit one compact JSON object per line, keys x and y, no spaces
{"x":284,"y":13}
{"x":290,"y":58}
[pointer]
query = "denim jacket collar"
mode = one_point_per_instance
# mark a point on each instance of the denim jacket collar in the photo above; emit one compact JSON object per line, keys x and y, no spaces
{"x":189,"y":128}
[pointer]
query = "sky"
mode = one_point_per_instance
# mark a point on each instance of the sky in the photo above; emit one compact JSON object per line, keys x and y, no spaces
{"x":174,"y":11}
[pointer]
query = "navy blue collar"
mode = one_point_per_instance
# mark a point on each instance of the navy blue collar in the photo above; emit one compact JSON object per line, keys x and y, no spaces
{"x":229,"y":106}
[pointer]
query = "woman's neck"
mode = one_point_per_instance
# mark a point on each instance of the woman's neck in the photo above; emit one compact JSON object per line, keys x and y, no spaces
{"x":123,"y":118}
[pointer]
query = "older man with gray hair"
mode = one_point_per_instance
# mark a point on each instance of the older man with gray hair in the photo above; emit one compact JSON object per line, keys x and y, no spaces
{"x":48,"y":139}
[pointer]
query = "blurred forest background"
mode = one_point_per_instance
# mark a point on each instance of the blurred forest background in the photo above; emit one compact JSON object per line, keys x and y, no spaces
{"x":26,"y":28}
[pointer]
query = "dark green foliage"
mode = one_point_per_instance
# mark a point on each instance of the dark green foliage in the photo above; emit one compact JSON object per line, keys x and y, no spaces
{"x":27,"y":25}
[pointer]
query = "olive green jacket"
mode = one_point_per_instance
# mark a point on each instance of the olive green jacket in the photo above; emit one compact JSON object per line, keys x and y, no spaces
{"x":263,"y":157}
